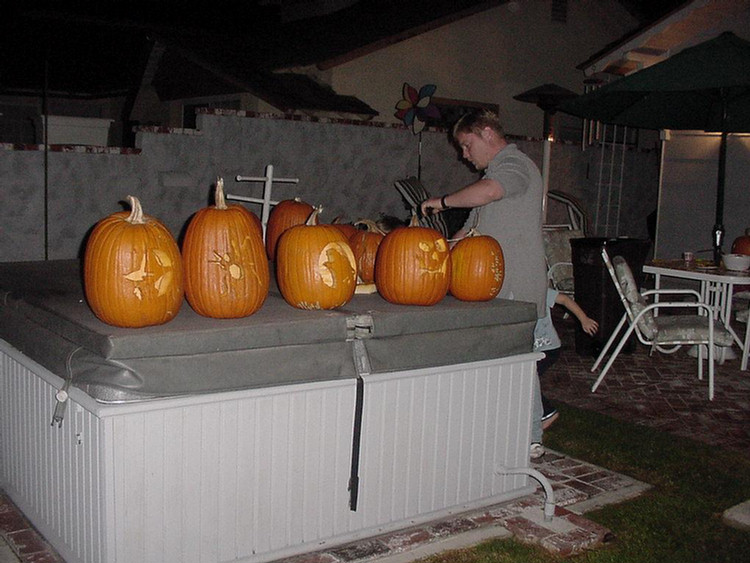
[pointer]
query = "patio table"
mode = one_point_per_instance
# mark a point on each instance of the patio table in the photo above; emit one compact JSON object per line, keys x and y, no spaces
{"x":716,"y":287}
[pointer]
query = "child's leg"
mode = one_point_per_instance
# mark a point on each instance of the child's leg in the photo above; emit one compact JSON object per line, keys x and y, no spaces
{"x":542,"y":366}
{"x":536,"y":412}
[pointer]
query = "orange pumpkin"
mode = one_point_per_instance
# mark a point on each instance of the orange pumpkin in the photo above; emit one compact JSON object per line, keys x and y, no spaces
{"x":741,"y":244}
{"x":413,"y":266}
{"x":226,"y":269}
{"x":132,"y":270}
{"x":284,"y":215}
{"x":257,"y":225}
{"x":346,"y":228}
{"x":478,"y":268}
{"x":365,"y":245}
{"x":315,"y":267}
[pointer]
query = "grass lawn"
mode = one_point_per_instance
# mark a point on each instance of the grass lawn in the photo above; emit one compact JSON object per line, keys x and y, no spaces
{"x":678,"y":520}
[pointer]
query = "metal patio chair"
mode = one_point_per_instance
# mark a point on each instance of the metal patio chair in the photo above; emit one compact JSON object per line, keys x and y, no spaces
{"x":663,"y":333}
{"x":746,"y":345}
{"x":557,"y":250}
{"x":742,"y":301}
{"x":558,"y":257}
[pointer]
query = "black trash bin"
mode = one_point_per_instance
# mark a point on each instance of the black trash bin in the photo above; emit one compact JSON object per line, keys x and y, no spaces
{"x":594,"y":290}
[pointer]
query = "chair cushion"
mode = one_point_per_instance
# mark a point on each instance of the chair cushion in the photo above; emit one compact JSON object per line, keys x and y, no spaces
{"x":566,"y":285}
{"x":646,"y":323}
{"x":447,"y":222}
{"x":414,"y":193}
{"x":557,"y":250}
{"x":689,"y":329}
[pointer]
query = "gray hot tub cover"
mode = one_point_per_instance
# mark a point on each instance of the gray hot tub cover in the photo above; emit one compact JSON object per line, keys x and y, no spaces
{"x":44,"y":314}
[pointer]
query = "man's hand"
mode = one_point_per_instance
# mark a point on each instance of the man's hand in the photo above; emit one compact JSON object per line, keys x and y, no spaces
{"x":430,"y":206}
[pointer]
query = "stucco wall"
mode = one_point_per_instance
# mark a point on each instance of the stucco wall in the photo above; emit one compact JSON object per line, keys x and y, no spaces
{"x":689,"y":189}
{"x":489,"y":57}
{"x":347,"y":168}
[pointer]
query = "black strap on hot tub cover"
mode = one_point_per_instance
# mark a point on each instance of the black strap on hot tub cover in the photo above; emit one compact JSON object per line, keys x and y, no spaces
{"x":362,"y":363}
{"x":356,"y":439}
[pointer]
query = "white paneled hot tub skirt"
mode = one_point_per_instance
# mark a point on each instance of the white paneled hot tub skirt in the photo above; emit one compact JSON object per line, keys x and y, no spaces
{"x":259,"y":474}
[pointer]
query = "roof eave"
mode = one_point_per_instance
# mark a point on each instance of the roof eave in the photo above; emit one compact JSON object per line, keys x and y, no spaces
{"x":406,"y":34}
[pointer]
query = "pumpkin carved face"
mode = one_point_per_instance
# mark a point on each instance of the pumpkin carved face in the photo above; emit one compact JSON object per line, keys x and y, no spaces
{"x":132,"y":273}
{"x":478,"y":268}
{"x":226,"y":269}
{"x":413,"y":266}
{"x":315,"y":267}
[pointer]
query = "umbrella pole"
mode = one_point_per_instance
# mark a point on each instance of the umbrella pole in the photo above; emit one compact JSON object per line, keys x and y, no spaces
{"x":546,"y":146}
{"x":718,"y":232}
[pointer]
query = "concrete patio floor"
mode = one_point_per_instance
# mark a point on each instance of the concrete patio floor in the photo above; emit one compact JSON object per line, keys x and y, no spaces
{"x":661,"y":391}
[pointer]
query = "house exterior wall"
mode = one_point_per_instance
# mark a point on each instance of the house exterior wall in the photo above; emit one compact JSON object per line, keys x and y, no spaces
{"x":489,"y":57}
{"x":689,"y":182}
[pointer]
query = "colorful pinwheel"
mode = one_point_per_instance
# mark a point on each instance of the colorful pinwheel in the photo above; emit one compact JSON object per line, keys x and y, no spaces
{"x":416,"y":108}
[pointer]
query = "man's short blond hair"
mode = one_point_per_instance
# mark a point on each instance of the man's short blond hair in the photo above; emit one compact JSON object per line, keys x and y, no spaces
{"x":476,"y":120}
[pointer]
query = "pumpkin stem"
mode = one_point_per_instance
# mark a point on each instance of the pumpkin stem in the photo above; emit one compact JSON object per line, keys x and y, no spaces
{"x":312,"y":220}
{"x":219,"y":199}
{"x":473,"y":232}
{"x":414,"y":222}
{"x":136,"y":211}
{"x":370,"y":226}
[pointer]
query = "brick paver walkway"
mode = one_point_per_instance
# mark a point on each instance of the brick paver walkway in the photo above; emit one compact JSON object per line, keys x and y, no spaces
{"x":661,"y":391}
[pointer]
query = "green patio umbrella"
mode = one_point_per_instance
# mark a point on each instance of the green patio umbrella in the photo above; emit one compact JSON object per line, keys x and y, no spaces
{"x":705,"y":87}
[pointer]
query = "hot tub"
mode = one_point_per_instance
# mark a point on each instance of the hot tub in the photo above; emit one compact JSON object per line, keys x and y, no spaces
{"x":256,"y":438}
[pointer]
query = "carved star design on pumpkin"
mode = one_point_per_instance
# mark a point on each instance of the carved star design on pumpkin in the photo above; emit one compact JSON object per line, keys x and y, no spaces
{"x":141,"y":274}
{"x":164,"y":281}
{"x":138,"y":276}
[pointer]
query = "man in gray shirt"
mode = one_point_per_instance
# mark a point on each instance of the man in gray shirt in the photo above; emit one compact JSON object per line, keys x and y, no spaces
{"x":506,"y":204}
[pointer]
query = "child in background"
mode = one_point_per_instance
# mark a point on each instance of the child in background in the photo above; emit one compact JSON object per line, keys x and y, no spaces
{"x":548,"y":341}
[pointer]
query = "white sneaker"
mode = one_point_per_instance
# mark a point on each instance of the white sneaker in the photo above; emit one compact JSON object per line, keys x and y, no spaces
{"x":536,"y":450}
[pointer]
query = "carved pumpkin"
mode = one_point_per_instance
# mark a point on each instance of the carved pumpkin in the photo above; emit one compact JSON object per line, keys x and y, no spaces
{"x":257,"y":224}
{"x":226,"y":269}
{"x":132,"y":270}
{"x":413,"y":266}
{"x":315,"y":267}
{"x":285,"y":214}
{"x":478,"y":268}
{"x":741,"y":244}
{"x":365,"y":245}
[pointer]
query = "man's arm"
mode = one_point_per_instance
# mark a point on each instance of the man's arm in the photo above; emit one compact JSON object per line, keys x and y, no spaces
{"x":477,"y":194}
